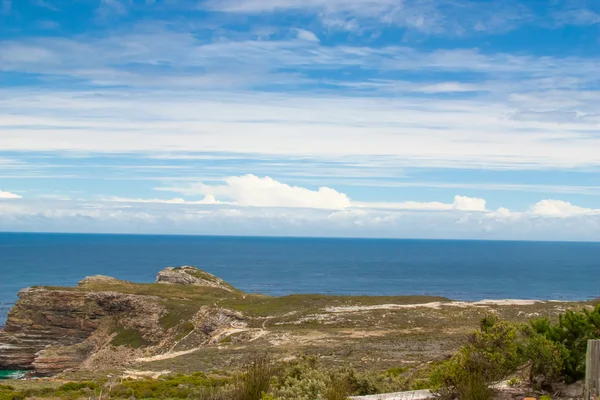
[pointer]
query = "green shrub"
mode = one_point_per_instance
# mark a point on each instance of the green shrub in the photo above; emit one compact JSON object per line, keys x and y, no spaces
{"x":306,"y":379}
{"x":170,"y":386}
{"x":464,"y":377}
{"x":491,"y":354}
{"x":78,"y":386}
{"x":572,"y":332}
{"x":546,"y":358}
{"x":396,"y":371}
{"x":9,"y":395}
{"x":255,"y":380}
{"x":545,"y":397}
{"x":338,"y":389}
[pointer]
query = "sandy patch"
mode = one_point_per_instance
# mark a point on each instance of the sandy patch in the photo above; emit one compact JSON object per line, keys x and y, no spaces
{"x":434,"y":305}
{"x":144,"y":374}
{"x":353,"y":333}
{"x":166,"y":356}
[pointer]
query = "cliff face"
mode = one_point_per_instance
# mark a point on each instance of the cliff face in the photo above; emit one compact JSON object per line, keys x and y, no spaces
{"x":53,"y":329}
{"x":64,"y":320}
{"x":43,"y":317}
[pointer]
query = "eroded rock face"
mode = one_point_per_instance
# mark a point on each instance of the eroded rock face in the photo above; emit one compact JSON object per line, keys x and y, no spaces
{"x":211,"y":324}
{"x":47,"y":330}
{"x":101,"y":324}
{"x":187,"y":275}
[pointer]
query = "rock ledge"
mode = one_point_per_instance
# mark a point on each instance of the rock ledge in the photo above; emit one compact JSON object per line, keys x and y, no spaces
{"x":193,"y":276}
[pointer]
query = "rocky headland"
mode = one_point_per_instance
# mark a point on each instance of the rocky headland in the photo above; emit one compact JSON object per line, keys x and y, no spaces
{"x":190,"y":319}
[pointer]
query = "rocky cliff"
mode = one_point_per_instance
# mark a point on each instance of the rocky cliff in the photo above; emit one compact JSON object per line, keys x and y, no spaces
{"x":53,"y":329}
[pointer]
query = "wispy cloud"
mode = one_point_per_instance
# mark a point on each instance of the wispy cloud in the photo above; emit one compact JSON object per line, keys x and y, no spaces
{"x":108,"y":8}
{"x":439,"y":17}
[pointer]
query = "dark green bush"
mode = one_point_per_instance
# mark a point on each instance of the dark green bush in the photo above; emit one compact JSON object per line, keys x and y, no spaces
{"x":491,"y":354}
{"x":572,"y":332}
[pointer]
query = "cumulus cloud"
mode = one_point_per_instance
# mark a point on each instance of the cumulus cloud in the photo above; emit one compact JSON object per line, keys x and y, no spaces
{"x":253,"y":191}
{"x":9,"y":195}
{"x":559,"y":208}
{"x":464,"y":203}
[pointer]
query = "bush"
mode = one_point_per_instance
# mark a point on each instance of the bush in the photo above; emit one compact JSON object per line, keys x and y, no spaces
{"x":339,"y":389}
{"x":572,"y":332}
{"x":256,"y":379}
{"x":546,"y":358}
{"x":491,"y":354}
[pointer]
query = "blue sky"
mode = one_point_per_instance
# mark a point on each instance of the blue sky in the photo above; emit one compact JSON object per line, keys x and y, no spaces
{"x":376,"y":118}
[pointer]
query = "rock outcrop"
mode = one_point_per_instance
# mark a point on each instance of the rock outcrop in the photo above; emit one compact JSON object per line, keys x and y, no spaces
{"x":47,"y":329}
{"x":187,"y":275}
{"x":100,"y":280}
{"x":105,"y":321}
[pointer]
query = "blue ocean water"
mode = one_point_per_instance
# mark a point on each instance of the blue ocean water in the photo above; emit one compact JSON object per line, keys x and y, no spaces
{"x":461,"y":270}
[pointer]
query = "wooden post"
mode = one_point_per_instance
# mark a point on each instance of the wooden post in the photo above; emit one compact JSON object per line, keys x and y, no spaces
{"x":592,"y":370}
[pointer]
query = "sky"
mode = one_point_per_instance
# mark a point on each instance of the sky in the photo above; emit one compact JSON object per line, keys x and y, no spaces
{"x":353,"y":118}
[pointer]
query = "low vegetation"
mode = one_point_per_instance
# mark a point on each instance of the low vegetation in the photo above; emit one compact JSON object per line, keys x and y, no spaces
{"x":541,"y":352}
{"x":544,"y":351}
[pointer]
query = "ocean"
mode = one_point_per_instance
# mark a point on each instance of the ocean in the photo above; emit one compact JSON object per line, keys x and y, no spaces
{"x":460,"y":270}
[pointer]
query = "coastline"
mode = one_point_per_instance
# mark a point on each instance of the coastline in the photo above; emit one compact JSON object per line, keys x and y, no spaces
{"x":190,"y":317}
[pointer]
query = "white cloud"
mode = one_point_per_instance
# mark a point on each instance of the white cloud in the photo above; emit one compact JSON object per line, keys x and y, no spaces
{"x":9,"y":195}
{"x":461,"y":203}
{"x":190,"y":218}
{"x":307,"y":35}
{"x":562,"y":209}
{"x":502,"y":214}
{"x":464,"y":203}
{"x":254,"y":191}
